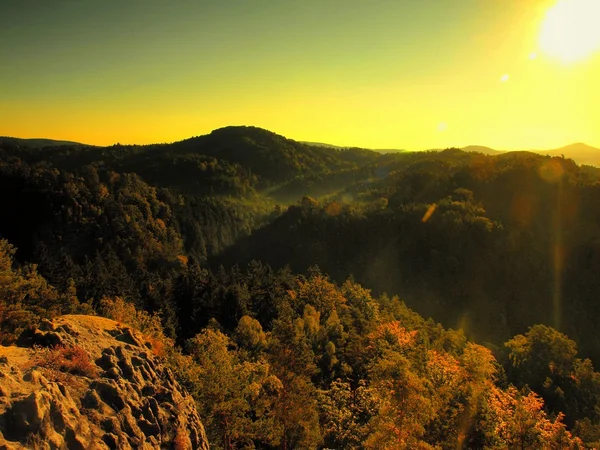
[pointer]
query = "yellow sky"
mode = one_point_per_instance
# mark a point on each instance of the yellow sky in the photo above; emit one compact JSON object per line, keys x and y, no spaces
{"x":391,"y":74}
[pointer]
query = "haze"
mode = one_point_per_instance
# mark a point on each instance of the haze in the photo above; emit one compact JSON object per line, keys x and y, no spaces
{"x":382,"y":74}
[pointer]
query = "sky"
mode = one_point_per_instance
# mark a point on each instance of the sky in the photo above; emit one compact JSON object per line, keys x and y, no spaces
{"x":386,"y":74}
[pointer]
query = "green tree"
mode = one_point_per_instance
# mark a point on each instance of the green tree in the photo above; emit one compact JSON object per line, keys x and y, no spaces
{"x":544,"y":359}
{"x":292,"y":359}
{"x":236,"y":398}
{"x":346,"y":414}
{"x":26,"y":297}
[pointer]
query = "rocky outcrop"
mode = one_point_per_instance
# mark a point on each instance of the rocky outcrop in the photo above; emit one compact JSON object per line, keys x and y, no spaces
{"x":126,"y":399}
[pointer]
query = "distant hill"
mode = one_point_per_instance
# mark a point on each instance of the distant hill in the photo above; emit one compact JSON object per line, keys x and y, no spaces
{"x":269,"y":155}
{"x":580,"y":153}
{"x":481,"y":149}
{"x":378,"y":150}
{"x":36,"y":142}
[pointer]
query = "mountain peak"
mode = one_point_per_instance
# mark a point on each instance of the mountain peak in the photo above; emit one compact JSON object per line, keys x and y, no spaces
{"x":244,"y":130}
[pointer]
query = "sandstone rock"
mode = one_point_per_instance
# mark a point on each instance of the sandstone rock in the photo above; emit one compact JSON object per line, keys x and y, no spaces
{"x":135,"y":403}
{"x":30,"y":338}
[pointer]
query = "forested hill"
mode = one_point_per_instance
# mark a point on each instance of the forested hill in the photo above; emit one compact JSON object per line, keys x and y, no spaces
{"x":233,"y":161}
{"x":271,"y":156}
{"x":488,"y":244}
{"x":244,"y":223}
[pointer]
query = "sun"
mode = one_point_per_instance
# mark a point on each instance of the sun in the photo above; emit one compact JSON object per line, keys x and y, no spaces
{"x":571,"y":30}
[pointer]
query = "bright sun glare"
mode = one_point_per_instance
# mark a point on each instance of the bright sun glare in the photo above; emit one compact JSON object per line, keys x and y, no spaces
{"x":571,"y":29}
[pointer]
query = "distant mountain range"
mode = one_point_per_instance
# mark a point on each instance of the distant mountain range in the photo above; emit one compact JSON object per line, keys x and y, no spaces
{"x":580,"y":153}
{"x":340,"y":147}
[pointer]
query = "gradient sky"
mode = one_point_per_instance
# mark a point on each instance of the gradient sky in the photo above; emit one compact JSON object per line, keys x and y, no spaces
{"x":413,"y":74}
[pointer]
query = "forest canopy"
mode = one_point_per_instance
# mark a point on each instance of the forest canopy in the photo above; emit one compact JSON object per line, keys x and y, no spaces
{"x":324,"y":297}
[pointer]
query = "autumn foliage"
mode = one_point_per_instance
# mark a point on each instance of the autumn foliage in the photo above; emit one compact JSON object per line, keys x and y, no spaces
{"x":70,"y":359}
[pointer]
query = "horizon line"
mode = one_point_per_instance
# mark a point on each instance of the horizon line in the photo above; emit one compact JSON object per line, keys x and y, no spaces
{"x":315,"y":143}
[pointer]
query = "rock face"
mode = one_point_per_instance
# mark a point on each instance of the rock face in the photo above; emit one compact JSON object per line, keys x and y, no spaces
{"x":125,"y":399}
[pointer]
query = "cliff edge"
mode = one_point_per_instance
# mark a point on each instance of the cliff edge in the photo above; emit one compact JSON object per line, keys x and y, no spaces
{"x":86,"y":382}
